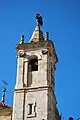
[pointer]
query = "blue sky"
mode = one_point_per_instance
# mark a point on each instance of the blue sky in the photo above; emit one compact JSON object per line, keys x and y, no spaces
{"x":62,"y":20}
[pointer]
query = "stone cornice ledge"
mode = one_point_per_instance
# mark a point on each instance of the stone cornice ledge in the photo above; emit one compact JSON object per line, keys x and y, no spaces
{"x":29,"y":89}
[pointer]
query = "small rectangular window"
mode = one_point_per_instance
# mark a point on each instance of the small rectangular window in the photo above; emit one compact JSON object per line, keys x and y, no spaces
{"x":30,"y":109}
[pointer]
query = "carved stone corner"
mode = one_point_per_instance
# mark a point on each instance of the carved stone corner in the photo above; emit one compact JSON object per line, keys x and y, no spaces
{"x":40,"y":57}
{"x":21,"y":53}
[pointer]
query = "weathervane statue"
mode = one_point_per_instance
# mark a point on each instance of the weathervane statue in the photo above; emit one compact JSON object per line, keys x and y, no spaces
{"x":39,"y":20}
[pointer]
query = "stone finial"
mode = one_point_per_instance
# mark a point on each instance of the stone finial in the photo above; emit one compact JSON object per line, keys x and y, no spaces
{"x":37,"y":35}
{"x":22,"y":39}
{"x":46,"y":36}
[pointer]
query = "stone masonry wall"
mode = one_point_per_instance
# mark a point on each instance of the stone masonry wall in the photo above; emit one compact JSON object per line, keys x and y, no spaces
{"x":5,"y":114}
{"x":5,"y":117}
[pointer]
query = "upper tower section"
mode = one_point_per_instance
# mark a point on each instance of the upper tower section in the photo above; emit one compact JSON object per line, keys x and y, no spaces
{"x":36,"y":59}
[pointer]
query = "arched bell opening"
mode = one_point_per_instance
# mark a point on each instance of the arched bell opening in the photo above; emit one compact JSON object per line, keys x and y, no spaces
{"x":32,"y":67}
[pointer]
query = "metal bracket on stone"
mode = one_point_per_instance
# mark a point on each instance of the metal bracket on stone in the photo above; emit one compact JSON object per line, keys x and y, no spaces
{"x":44,"y":52}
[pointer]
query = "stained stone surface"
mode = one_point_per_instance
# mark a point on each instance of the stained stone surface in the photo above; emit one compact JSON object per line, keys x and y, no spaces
{"x":5,"y":117}
{"x":5,"y":113}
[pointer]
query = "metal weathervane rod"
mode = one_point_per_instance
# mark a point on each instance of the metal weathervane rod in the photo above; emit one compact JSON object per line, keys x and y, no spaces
{"x":3,"y":90}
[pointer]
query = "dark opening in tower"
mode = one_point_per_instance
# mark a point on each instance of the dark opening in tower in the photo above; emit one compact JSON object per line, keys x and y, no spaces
{"x":33,"y":63}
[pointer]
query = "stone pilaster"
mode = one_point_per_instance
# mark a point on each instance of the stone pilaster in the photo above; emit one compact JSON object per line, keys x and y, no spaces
{"x":20,"y":70}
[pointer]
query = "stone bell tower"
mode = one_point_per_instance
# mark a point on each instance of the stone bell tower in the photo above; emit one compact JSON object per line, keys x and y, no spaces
{"x":34,"y":92}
